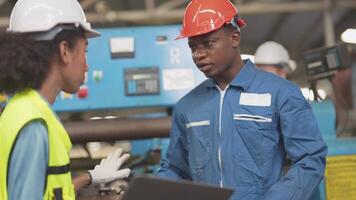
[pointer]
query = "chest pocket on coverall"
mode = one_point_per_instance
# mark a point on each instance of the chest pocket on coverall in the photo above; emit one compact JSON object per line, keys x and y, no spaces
{"x":254,"y":126}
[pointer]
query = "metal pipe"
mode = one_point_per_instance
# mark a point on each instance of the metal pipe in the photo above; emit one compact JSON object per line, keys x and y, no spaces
{"x":118,"y":129}
{"x":329,"y":33}
{"x":87,"y":3}
{"x":176,"y":15}
{"x":150,"y":5}
{"x":169,"y":5}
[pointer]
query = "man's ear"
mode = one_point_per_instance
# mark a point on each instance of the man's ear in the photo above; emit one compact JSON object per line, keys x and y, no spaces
{"x":64,"y":52}
{"x":235,"y":37}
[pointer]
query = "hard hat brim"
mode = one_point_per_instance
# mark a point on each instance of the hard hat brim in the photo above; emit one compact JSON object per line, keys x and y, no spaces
{"x":92,"y":33}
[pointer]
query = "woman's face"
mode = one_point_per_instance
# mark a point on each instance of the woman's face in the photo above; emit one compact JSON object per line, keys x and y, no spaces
{"x":75,"y":67}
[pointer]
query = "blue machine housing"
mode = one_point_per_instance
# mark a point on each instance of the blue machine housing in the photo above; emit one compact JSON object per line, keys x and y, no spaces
{"x":326,"y":117}
{"x":154,"y":47}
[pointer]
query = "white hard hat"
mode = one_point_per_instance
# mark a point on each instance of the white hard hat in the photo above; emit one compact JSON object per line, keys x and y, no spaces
{"x":272,"y":53}
{"x":41,"y":16}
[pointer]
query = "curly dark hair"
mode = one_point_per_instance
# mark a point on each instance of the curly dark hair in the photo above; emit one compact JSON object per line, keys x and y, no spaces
{"x":25,"y":63}
{"x":22,"y":63}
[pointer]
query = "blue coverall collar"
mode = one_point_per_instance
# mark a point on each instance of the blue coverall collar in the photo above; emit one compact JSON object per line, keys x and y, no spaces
{"x":243,"y":79}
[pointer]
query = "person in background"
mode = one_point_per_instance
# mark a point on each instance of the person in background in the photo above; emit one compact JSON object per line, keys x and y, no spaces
{"x":273,"y":57}
{"x":43,"y":53}
{"x":236,"y":128}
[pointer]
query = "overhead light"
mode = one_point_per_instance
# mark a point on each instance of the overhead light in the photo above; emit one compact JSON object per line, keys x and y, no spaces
{"x":349,"y":36}
{"x":110,"y":117}
{"x":95,"y":118}
{"x":106,"y":117}
{"x":322,"y":94}
{"x":309,"y":94}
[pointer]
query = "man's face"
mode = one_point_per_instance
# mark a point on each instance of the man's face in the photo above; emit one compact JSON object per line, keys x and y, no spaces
{"x":214,"y":52}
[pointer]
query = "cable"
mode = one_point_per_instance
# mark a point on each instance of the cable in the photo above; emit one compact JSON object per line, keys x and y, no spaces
{"x":314,"y":89}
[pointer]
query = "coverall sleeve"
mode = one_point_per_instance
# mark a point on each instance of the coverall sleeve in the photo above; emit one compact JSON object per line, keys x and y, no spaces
{"x":28,"y":163}
{"x":304,"y":145}
{"x":175,"y":165}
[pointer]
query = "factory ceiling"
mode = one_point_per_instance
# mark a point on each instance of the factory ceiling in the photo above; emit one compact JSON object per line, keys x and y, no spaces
{"x":299,"y":25}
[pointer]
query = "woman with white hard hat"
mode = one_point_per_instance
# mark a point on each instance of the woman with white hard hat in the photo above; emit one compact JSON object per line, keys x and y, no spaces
{"x":44,"y":53}
{"x":273,"y":57}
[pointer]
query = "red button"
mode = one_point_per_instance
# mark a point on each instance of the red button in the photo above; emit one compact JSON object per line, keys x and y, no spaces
{"x":83,"y":92}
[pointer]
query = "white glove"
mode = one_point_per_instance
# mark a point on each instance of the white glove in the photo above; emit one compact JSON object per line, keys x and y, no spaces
{"x":108,"y":169}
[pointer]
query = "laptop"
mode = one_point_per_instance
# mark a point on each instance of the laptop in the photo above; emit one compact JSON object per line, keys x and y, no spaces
{"x":146,"y":187}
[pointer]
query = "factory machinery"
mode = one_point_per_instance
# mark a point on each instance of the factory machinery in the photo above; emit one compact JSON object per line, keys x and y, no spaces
{"x":135,"y":77}
{"x":336,"y":64}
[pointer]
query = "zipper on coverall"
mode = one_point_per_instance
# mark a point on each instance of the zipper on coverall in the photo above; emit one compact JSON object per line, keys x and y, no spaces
{"x":222,"y":95}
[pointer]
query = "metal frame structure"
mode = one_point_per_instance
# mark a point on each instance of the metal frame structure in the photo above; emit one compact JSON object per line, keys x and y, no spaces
{"x":153,"y":12}
{"x":171,"y":10}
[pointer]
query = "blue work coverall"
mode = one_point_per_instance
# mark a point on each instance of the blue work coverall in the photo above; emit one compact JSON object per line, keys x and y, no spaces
{"x":239,"y":138}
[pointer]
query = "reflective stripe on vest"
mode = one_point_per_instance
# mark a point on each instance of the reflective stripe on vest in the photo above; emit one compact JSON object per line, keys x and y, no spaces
{"x":21,"y":109}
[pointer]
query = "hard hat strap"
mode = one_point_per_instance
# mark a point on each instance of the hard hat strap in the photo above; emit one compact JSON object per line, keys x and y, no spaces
{"x":51,"y":34}
{"x":233,"y":22}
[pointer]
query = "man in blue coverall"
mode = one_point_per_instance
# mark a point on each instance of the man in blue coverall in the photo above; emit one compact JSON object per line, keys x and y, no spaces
{"x":236,"y":128}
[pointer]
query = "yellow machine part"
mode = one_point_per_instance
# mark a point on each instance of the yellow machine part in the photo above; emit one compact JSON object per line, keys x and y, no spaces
{"x":340,"y":177}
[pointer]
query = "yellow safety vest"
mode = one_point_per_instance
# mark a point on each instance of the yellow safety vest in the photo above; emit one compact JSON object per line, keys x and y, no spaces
{"x":24,"y":107}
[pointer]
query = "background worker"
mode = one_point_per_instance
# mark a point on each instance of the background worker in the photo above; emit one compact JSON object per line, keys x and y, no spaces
{"x":235,"y":129}
{"x":44,"y":53}
{"x":273,"y":57}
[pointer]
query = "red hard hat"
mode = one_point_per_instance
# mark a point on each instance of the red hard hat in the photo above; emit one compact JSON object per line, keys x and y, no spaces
{"x":204,"y":16}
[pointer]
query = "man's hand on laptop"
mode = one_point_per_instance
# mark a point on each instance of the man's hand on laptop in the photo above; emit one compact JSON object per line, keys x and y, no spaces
{"x":109,"y":169}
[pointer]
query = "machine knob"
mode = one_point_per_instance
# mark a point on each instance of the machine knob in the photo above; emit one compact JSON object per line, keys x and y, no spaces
{"x":98,"y":75}
{"x":83,"y":92}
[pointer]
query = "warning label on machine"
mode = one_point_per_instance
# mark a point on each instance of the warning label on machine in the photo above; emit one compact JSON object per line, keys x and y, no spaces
{"x":340,"y":177}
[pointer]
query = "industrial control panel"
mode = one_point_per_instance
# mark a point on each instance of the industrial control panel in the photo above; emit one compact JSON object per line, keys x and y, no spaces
{"x":325,"y":62}
{"x":142,"y":81}
{"x":134,"y":67}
